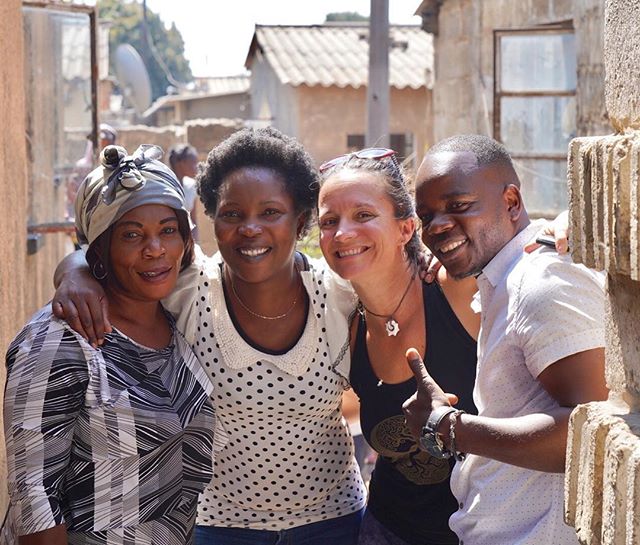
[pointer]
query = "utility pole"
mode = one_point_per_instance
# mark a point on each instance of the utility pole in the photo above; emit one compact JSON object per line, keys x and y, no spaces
{"x":378,"y":88}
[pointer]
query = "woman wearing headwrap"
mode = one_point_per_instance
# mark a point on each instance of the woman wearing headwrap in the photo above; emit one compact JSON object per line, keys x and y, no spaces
{"x":112,"y":445}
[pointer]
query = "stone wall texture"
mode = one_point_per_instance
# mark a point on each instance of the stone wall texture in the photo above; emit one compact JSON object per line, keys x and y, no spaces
{"x":603,"y":460}
{"x":602,"y":493}
{"x":622,"y":61}
{"x":328,"y":114}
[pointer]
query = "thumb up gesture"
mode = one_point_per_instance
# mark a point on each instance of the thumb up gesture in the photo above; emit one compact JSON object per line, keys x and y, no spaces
{"x":428,"y":396}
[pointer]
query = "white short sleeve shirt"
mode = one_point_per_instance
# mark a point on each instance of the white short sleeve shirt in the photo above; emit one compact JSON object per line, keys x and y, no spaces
{"x":536,"y":310}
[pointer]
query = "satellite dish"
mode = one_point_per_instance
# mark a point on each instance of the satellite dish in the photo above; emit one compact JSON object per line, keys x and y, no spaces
{"x":133,"y":78}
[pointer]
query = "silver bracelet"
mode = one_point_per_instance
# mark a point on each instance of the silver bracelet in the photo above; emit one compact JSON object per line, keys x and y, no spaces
{"x":453,"y":418}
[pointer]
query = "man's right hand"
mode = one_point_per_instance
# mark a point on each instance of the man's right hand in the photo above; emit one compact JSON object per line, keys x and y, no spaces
{"x":428,"y":395}
{"x":80,"y":301}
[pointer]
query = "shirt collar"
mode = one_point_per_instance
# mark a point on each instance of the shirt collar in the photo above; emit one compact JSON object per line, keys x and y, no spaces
{"x":498,"y":267}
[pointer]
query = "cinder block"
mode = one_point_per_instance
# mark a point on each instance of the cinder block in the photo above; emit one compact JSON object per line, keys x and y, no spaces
{"x":634,"y":210}
{"x":599,"y":172}
{"x":621,"y":326}
{"x":622,"y":62}
{"x":602,"y":491}
{"x":605,"y":214}
{"x":585,"y":472}
{"x":620,"y":207}
{"x":575,"y":200}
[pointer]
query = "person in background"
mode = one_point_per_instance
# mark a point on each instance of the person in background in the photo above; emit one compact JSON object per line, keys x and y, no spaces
{"x":540,"y":349}
{"x":113,"y":445}
{"x":183,"y":160}
{"x":107,"y":136}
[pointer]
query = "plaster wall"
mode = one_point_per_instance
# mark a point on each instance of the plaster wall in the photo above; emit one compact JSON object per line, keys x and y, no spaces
{"x":229,"y":106}
{"x":271,"y":101}
{"x":13,"y":193}
{"x":328,"y":114}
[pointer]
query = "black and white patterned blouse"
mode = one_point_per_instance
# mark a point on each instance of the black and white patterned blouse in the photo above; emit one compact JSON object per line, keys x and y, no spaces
{"x":283,"y":454}
{"x":116,"y":443}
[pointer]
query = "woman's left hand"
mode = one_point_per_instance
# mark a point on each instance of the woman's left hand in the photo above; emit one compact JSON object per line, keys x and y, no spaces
{"x":558,"y":229}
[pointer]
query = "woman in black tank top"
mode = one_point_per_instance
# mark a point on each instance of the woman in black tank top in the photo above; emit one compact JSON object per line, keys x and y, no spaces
{"x":368,"y":236}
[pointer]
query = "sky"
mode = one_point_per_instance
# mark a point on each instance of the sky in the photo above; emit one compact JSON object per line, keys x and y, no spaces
{"x":217,"y":33}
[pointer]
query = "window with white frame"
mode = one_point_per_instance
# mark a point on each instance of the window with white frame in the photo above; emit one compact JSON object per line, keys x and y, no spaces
{"x":535,"y":110}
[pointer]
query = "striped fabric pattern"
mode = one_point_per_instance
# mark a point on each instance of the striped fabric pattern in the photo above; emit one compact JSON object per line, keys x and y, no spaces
{"x":116,"y":443}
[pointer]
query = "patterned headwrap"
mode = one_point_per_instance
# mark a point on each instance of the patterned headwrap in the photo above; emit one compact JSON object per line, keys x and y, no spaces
{"x":122,"y":183}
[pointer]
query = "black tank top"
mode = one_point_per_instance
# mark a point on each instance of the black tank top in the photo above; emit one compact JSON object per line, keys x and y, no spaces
{"x":409,"y":490}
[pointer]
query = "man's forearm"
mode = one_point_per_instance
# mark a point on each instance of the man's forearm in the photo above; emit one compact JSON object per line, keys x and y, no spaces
{"x":536,"y":441}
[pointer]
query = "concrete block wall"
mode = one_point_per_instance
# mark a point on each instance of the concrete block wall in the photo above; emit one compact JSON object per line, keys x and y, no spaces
{"x":602,"y":493}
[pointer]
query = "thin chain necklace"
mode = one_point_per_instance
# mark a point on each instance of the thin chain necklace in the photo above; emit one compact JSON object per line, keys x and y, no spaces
{"x":262,"y":316}
{"x":391,"y":325}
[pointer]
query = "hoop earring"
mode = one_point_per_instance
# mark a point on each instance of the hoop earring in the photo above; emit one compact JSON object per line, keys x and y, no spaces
{"x":99,"y":275}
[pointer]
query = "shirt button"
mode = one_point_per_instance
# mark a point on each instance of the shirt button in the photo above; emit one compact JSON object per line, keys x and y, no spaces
{"x":461,"y":505}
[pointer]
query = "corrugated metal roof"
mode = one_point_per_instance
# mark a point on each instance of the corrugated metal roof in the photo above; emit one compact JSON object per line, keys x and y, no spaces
{"x":224,"y":85}
{"x":338,"y":54}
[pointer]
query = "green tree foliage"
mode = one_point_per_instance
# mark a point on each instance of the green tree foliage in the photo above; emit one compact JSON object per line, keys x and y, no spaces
{"x":343,"y":16}
{"x":127,"y":27}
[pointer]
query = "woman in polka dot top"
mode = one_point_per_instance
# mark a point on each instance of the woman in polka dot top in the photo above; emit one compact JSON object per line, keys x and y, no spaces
{"x":271,"y":332}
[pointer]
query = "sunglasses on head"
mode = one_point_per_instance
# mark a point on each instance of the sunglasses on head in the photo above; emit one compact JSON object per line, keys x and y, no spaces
{"x":367,"y":153}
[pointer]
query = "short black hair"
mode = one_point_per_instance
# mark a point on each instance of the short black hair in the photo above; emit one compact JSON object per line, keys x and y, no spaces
{"x":487,"y":150}
{"x":266,"y":148}
{"x":180,"y":152}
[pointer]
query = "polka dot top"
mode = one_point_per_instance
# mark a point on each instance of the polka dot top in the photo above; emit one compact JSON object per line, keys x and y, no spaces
{"x":283,"y":455}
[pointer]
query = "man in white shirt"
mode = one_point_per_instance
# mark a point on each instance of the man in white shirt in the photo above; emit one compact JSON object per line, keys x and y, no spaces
{"x":540,"y":349}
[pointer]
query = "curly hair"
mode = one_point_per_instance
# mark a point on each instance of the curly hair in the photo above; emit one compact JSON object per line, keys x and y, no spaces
{"x":396,"y":189}
{"x":267,"y":148}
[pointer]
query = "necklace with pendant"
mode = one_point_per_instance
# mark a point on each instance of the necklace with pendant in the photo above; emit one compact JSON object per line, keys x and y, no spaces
{"x":391,"y":325}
